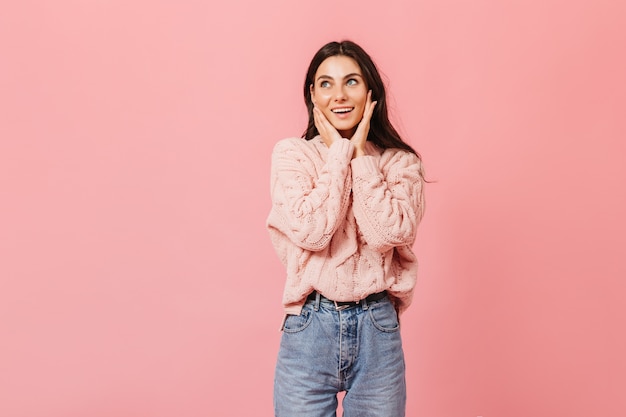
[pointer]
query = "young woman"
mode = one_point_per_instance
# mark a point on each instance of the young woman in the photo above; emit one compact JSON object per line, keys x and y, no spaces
{"x":346,"y":202}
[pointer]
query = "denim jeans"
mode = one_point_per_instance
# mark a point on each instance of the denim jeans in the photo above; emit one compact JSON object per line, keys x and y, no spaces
{"x":324,"y":351}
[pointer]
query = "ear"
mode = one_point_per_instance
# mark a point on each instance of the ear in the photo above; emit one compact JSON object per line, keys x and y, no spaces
{"x":312,"y":90}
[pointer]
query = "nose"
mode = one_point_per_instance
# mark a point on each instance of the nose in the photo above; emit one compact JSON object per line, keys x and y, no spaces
{"x":339,"y":93}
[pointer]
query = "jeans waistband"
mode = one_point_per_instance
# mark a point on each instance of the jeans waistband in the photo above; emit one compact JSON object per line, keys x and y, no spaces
{"x":341,"y":305}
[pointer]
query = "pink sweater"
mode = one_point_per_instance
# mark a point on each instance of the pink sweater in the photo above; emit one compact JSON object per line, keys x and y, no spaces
{"x":345,"y":227}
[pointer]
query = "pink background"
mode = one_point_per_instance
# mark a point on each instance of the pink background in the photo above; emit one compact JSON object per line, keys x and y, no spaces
{"x":137,"y":277}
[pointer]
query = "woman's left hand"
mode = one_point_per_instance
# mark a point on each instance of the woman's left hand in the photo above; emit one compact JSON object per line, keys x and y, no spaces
{"x":360,"y":135}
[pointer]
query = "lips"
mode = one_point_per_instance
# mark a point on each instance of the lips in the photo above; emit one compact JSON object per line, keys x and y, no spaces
{"x":342,"y":110}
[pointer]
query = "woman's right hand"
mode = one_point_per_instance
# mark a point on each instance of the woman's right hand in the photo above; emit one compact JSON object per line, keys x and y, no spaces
{"x":326,"y":130}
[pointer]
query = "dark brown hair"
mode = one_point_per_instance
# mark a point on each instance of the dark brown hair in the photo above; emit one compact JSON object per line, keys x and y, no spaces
{"x":381,"y":132}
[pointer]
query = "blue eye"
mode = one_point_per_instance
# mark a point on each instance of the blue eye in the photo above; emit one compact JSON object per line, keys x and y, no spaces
{"x":324,"y":84}
{"x":352,"y":81}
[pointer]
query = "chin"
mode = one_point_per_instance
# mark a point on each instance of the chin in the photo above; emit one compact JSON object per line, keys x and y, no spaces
{"x":343,"y":127}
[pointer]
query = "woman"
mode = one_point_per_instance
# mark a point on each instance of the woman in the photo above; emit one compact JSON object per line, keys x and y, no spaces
{"x":346,"y":202}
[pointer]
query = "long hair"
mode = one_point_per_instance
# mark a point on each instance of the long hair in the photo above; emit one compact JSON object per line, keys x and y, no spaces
{"x":381,"y":133}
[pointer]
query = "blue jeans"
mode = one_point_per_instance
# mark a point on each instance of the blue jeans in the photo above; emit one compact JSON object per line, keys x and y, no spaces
{"x":324,"y":351}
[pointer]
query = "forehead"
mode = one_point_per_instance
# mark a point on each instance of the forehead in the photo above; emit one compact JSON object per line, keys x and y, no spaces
{"x":337,"y":67}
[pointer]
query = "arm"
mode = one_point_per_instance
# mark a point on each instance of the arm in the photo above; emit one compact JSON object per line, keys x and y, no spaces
{"x":388,"y":200}
{"x":307,"y":208}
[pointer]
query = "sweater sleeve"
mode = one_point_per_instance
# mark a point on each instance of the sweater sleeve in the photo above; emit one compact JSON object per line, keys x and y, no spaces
{"x":388,"y":199}
{"x":307,"y":207}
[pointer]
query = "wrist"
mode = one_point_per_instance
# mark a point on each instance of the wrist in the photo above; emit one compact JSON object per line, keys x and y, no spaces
{"x":359,"y":152}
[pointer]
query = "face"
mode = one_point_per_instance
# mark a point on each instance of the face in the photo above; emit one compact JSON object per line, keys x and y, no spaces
{"x":340,"y":92}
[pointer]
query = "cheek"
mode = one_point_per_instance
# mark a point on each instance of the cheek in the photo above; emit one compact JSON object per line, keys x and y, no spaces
{"x":321,"y":98}
{"x":360,"y":111}
{"x":361,"y":99}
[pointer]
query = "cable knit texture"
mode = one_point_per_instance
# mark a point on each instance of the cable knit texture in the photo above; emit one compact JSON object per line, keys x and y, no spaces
{"x":345,"y":227}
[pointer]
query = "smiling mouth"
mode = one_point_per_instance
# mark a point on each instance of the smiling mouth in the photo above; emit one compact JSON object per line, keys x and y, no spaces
{"x":343,"y":110}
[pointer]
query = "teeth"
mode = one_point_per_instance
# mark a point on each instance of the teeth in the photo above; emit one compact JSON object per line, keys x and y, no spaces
{"x":342,"y":110}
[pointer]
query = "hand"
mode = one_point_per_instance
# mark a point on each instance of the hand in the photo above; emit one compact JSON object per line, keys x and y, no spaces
{"x":360,"y":135}
{"x":326,"y":130}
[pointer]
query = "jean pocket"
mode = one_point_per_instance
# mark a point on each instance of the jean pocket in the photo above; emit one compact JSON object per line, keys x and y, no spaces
{"x":296,"y":323}
{"x":384,"y":317}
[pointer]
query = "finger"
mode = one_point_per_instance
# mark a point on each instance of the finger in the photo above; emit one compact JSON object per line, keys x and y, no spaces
{"x":324,"y":128}
{"x":363,"y":128}
{"x":369,"y":108}
{"x":318,"y":121}
{"x":368,"y":102}
{"x":329,"y":128}
{"x":326,"y":125}
{"x":323,"y":118}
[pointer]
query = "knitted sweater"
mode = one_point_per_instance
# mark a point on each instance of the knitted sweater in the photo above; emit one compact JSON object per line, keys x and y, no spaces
{"x":345,"y":227}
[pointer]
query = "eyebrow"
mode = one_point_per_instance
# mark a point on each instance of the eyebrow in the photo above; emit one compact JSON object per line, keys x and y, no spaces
{"x":328,"y":77}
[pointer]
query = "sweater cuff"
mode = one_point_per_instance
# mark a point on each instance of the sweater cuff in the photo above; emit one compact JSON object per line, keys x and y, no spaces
{"x":342,"y":148}
{"x":364,"y":165}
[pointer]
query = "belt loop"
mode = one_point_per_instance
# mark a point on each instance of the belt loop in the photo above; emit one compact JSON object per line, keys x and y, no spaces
{"x":340,"y":307}
{"x":318,"y":297}
{"x":364,"y":304}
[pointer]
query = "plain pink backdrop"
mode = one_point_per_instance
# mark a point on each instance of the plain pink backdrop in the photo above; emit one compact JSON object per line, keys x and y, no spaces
{"x":137,"y":277}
